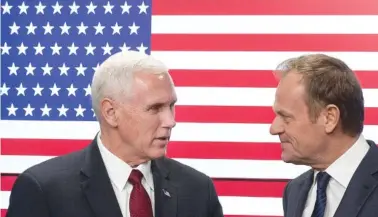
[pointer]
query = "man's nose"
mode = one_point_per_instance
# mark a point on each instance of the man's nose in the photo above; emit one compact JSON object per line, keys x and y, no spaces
{"x":169,"y":120}
{"x":275,"y":127}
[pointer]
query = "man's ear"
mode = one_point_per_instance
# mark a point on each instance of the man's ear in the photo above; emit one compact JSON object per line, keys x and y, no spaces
{"x":108,"y":110}
{"x":331,"y":116}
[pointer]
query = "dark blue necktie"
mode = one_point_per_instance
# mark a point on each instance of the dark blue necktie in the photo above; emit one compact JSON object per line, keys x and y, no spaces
{"x":322,"y":180}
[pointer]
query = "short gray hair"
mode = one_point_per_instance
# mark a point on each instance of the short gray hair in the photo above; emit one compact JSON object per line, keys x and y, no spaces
{"x":114,"y":76}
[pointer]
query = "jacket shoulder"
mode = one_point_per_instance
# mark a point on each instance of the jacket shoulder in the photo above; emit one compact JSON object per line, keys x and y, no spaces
{"x":292,"y":185}
{"x":299,"y":179}
{"x":57,"y":168}
{"x":178,"y":169}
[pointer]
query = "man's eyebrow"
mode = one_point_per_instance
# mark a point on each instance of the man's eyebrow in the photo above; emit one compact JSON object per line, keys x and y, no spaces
{"x":284,"y":113}
{"x":164,"y":103}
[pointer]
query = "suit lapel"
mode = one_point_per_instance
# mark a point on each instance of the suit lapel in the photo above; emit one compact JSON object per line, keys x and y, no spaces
{"x":362,"y":184}
{"x":303,"y":190}
{"x":96,"y":185}
{"x":165,"y":190}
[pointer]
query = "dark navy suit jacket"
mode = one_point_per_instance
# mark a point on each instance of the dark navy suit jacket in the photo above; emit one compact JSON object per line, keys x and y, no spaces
{"x":77,"y":185}
{"x":360,"y":198}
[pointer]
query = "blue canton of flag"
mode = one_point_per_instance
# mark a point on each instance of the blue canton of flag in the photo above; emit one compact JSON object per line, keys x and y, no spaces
{"x":50,"y":49}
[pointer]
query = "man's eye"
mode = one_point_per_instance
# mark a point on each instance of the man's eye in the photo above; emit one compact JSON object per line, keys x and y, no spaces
{"x":155,"y":107}
{"x":286,"y":119}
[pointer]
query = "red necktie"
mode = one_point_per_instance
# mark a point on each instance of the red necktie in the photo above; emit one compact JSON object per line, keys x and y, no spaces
{"x":140,"y":203}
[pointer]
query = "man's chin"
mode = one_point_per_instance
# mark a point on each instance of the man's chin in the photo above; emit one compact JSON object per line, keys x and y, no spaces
{"x":287,"y":159}
{"x":161,"y":152}
{"x":292,"y":161}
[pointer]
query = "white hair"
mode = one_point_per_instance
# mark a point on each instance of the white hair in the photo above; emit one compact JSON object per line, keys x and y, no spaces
{"x":114,"y":76}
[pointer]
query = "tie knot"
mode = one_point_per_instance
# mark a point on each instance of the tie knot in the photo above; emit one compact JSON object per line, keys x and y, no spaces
{"x":135,"y":177}
{"x":322,"y":179}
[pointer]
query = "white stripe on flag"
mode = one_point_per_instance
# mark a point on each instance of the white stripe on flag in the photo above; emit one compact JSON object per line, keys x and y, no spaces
{"x":257,"y":206}
{"x":284,"y":24}
{"x":4,"y":199}
{"x":212,"y":132}
{"x":243,"y":96}
{"x":244,"y":60}
{"x":215,"y":168}
{"x":226,"y":96}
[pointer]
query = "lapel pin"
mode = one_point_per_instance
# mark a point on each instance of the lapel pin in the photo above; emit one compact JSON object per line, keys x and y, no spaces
{"x":166,"y":193}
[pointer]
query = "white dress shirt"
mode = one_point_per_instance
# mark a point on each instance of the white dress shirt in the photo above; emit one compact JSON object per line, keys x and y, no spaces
{"x":341,"y":172}
{"x":119,"y":172}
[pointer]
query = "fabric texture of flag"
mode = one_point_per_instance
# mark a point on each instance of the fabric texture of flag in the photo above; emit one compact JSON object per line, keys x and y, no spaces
{"x":221,"y":54}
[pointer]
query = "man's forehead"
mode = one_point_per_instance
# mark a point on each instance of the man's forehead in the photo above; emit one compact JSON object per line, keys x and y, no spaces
{"x":159,"y":97}
{"x":289,"y":96}
{"x":153,"y":88}
{"x":291,"y":81}
{"x":150,"y":78}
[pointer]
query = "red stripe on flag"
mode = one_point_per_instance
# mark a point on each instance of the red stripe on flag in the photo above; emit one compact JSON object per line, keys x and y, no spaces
{"x":225,"y":114}
{"x":225,"y":150}
{"x":247,"y":188}
{"x":246,"y":78}
{"x":3,"y":212}
{"x":368,"y":79}
{"x":43,"y":147}
{"x":266,"y":7}
{"x":261,"y":42}
{"x":371,"y":116}
{"x":199,"y":150}
{"x":7,"y":182}
{"x":223,"y":78}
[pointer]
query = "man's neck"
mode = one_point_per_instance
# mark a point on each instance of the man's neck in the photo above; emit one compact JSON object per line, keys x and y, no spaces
{"x":122,"y":151}
{"x":338,"y":145}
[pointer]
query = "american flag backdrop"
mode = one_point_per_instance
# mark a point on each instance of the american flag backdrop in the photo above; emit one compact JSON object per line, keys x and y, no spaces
{"x":221,"y":53}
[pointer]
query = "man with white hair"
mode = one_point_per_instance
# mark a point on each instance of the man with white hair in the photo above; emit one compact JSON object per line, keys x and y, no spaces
{"x":124,"y":171}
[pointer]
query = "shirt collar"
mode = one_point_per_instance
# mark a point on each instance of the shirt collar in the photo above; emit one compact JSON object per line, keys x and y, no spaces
{"x":119,"y":171}
{"x":344,"y":167}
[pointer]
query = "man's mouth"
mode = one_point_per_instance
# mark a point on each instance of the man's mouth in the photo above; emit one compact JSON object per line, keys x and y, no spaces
{"x":163,"y":138}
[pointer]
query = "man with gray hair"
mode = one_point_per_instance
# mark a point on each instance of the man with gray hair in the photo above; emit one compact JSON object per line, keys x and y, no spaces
{"x":124,"y":171}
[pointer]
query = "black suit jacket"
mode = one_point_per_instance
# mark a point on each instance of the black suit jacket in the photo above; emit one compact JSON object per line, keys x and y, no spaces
{"x":360,"y":198}
{"x":77,"y":185}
